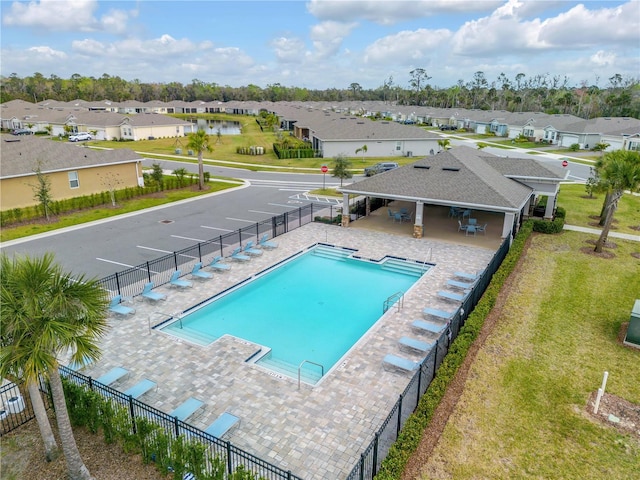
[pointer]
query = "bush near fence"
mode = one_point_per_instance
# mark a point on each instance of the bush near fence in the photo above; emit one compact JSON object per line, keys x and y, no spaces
{"x":173,"y":446}
{"x":410,"y":436}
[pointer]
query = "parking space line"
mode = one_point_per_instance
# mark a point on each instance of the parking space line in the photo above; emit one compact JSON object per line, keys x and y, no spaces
{"x":266,"y":213}
{"x":114,"y":262}
{"x":241,"y":220}
{"x":216,"y":228}
{"x":153,"y":249}
{"x":189,"y":238}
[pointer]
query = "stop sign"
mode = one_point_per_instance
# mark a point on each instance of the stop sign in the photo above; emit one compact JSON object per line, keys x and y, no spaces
{"x":565,"y":163}
{"x":324,"y":169}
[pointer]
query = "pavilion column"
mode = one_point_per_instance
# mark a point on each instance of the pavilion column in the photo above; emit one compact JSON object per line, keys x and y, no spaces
{"x":551,"y":203}
{"x":418,"y":227}
{"x":507,"y":225}
{"x":367,"y":209}
{"x":345,"y":210}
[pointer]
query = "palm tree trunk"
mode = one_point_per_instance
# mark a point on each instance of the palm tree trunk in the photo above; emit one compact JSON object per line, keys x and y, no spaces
{"x":76,"y":468}
{"x":608,"y":220}
{"x":200,"y":172}
{"x":603,"y":212}
{"x":51,"y":450}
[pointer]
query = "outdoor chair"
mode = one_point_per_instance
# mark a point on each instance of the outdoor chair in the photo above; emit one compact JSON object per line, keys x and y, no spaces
{"x":471,"y":230}
{"x":197,"y":272}
{"x":148,"y":293}
{"x":176,"y":281}
{"x":428,"y":327}
{"x":115,"y":306}
{"x":216,"y":264}
{"x":482,"y":228}
{"x":222,"y":425}
{"x":396,"y":363}
{"x":463,"y":285}
{"x":237,"y":255}
{"x":249,"y":250}
{"x":187,"y":408}
{"x":140,"y":388}
{"x":415,"y":345}
{"x":391,"y":213}
{"x":266,"y":244}
{"x":434,"y":312}
{"x":467,"y":276}
{"x":456,"y":297}
{"x":461,"y":227}
{"x":112,"y":376}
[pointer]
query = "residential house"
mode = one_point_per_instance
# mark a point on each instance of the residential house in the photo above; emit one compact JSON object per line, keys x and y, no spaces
{"x":73,"y":170}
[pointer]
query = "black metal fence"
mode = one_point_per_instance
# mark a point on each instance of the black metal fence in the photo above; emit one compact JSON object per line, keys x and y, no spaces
{"x":129,"y":283}
{"x":16,"y":406}
{"x":219,"y":451}
{"x":370,"y":460}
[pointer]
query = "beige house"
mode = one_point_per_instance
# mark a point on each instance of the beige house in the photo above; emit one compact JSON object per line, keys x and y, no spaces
{"x":73,"y":170}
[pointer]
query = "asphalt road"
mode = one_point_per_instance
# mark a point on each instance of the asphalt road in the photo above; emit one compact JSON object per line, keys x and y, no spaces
{"x":116,"y":244}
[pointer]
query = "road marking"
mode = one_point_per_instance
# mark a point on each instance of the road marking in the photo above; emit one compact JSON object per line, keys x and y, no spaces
{"x":241,"y":220}
{"x":266,"y":213}
{"x":153,"y":249}
{"x":115,"y":263}
{"x":281,"y":205}
{"x":189,"y":238}
{"x":293,"y":190}
{"x":216,"y":228}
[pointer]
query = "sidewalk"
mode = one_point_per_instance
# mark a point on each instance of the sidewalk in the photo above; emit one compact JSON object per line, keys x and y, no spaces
{"x":595,"y":231}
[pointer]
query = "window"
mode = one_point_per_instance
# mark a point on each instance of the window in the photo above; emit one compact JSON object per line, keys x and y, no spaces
{"x":398,"y":146}
{"x":634,"y":146}
{"x":73,"y":180}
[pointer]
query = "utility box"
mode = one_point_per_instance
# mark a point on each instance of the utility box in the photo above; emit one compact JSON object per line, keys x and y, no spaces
{"x":633,"y":332}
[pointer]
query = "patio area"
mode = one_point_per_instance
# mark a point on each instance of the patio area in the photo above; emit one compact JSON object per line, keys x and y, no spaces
{"x":317,"y":432}
{"x":438,"y":224}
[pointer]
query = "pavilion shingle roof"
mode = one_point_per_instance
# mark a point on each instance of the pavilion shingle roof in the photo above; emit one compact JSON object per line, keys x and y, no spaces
{"x":460,"y":176}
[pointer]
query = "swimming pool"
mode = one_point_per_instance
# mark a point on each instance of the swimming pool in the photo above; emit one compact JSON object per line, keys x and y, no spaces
{"x":314,"y":307}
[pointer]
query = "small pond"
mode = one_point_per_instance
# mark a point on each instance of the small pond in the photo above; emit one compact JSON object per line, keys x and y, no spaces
{"x":212,"y":127}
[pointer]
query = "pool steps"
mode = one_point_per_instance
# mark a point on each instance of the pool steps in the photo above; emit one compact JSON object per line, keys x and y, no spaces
{"x":287,"y":369}
{"x":329,"y":252}
{"x":413,"y":269}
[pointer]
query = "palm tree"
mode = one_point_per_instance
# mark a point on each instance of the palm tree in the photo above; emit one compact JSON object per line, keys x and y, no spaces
{"x":46,"y":313}
{"x":199,"y":142}
{"x":362,"y":149}
{"x":444,"y":144}
{"x":618,"y":171}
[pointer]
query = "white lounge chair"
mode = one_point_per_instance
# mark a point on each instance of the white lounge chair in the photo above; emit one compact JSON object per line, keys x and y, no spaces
{"x":397,"y":363}
{"x":140,"y":388}
{"x":415,"y":344}
{"x":428,"y":326}
{"x":112,"y":376}
{"x":187,"y":408}
{"x":222,"y":425}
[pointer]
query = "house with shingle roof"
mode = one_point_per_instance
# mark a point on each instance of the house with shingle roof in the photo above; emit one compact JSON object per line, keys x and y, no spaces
{"x":466,"y":178}
{"x":72,"y":169}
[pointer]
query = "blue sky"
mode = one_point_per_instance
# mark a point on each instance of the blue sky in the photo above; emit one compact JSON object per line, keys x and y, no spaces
{"x":322,"y":44}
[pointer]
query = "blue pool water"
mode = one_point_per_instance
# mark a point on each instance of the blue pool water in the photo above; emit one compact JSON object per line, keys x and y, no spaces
{"x":314,"y":307}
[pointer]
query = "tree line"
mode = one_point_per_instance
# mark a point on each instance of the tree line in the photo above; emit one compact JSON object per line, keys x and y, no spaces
{"x":616,"y":96}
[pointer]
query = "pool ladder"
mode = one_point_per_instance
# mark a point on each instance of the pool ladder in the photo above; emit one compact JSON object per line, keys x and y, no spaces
{"x":397,"y":298}
{"x":312,"y":363}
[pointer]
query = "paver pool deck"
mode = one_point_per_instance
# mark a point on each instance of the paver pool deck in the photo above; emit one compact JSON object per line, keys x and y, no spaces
{"x":316,"y":432}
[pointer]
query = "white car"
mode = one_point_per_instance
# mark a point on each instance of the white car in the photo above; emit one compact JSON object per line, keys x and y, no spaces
{"x":80,"y":137}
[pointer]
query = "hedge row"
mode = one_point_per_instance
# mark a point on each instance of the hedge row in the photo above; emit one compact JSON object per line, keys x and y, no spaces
{"x":171,"y":455}
{"x":411,"y":434}
{"x":555,"y":226}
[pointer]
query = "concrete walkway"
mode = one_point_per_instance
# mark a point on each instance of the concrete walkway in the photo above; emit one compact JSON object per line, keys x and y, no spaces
{"x":595,"y":231}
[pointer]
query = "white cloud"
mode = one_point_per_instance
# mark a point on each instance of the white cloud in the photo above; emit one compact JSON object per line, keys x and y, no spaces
{"x":328,"y":36}
{"x":56,"y":15}
{"x":408,"y":47}
{"x":390,"y":12}
{"x":288,"y":50}
{"x":48,"y":53}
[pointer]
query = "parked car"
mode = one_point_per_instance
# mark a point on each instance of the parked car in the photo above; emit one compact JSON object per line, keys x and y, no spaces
{"x":448,"y":127}
{"x":80,"y":137}
{"x":379,"y":168}
{"x":22,"y":131}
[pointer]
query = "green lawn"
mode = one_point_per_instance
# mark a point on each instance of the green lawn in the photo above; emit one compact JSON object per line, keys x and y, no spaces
{"x":522,"y":414}
{"x":581,"y":209}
